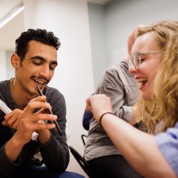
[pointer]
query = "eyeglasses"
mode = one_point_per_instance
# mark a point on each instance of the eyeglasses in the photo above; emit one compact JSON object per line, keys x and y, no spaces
{"x":136,"y":59}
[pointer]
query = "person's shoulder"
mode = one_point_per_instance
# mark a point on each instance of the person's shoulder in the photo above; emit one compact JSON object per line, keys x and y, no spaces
{"x":5,"y":90}
{"x":51,"y":91}
{"x":4,"y":85}
{"x":124,"y":68}
{"x":55,"y":98}
{"x":4,"y":82}
{"x":112,"y":68}
{"x":118,"y":67}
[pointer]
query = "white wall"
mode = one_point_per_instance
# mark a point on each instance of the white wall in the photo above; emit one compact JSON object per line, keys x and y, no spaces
{"x":98,"y":31}
{"x":3,"y":67}
{"x":7,"y":6}
{"x":10,"y":31}
{"x":117,"y":20}
{"x":123,"y":15}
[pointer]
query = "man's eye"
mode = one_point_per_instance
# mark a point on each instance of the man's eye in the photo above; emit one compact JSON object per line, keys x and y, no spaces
{"x":52,"y":67}
{"x":36,"y":63}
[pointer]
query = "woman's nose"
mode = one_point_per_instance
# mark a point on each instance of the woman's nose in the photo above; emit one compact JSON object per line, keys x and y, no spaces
{"x":132,"y":68}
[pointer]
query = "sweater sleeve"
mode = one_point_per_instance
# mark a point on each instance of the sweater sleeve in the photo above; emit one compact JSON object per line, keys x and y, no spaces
{"x":55,"y":153}
{"x":168,"y":145}
{"x":121,"y":88}
{"x":7,"y":167}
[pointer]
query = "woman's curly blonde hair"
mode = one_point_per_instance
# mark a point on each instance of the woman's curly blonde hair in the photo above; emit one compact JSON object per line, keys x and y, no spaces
{"x":164,"y":104}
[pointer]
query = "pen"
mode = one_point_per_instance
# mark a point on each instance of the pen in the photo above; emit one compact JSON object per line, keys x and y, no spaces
{"x":49,"y":110}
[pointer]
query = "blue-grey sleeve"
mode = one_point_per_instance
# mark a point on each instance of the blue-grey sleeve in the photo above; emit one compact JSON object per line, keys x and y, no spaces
{"x":168,"y":145}
{"x":7,"y":165}
{"x":55,"y":153}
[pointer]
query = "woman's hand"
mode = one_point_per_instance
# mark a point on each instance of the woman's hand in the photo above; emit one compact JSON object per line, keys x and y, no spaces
{"x":98,"y":104}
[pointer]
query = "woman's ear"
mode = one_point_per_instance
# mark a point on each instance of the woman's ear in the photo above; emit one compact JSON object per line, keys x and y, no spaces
{"x":15,"y":60}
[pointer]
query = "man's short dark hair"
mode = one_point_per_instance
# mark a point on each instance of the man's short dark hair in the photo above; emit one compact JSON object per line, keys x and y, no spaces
{"x":40,"y":35}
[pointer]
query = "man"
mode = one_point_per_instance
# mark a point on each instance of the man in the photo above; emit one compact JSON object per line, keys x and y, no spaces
{"x":34,"y":61}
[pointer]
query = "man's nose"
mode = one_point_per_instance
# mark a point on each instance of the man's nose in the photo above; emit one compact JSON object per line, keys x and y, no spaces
{"x":45,"y":71}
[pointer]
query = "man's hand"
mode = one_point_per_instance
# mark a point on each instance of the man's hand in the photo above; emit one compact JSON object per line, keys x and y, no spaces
{"x":26,"y":122}
{"x":12,"y":119}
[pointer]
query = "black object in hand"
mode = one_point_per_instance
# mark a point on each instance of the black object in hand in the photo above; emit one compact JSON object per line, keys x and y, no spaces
{"x":49,"y":110}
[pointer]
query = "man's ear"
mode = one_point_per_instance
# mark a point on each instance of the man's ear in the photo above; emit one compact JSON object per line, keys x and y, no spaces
{"x":15,"y":60}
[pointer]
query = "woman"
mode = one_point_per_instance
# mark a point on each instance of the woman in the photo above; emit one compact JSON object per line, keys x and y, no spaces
{"x":154,"y":63}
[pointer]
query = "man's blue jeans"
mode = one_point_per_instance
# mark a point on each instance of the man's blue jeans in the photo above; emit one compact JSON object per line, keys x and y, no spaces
{"x":42,"y":172}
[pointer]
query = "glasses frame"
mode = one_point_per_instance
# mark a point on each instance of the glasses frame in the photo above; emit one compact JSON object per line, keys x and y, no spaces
{"x":135,"y":59}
